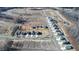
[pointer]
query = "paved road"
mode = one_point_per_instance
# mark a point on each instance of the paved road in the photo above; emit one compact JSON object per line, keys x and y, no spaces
{"x":53,"y":40}
{"x":65,"y":30}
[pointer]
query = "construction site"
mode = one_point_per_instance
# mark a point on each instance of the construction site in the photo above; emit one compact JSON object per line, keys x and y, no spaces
{"x":39,"y":29}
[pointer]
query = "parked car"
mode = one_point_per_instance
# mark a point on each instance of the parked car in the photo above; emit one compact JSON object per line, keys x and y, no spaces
{"x":29,"y":33}
{"x":54,"y":21}
{"x":67,"y":48}
{"x":56,"y":28}
{"x":50,"y":18}
{"x":55,"y":25}
{"x":34,"y":27}
{"x":61,"y":38}
{"x":61,"y":33}
{"x":61,"y":42}
{"x":46,"y":27}
{"x":24,"y":33}
{"x":41,"y":26}
{"x":66,"y":43}
{"x":57,"y":31}
{"x":39,"y":33}
{"x":18,"y":33}
{"x":33,"y":32}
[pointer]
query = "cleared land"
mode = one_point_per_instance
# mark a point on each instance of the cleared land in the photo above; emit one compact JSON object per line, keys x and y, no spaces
{"x":16,"y":23}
